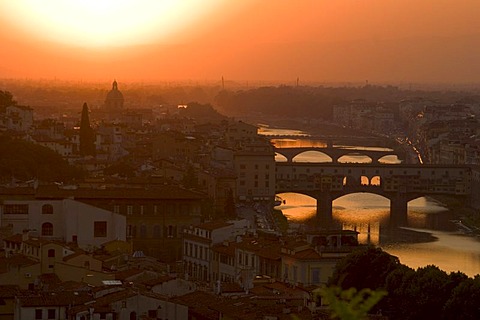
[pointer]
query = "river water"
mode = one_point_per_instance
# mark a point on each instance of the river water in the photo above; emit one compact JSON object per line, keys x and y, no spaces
{"x":431,"y":236}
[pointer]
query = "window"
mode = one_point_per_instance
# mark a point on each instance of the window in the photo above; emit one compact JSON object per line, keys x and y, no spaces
{"x":116,"y":209}
{"x":171,"y":231}
{"x":51,"y":253}
{"x":38,"y":314}
{"x":152,"y":313}
{"x":315,"y":276}
{"x":51,"y":313}
{"x":47,"y":229}
{"x":15,"y":209}
{"x":129,"y":209}
{"x":99,"y":229}
{"x":157,"y":231}
{"x":47,"y":209}
{"x":143,"y":231}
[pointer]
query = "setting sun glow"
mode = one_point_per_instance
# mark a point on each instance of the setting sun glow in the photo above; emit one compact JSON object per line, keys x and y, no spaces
{"x":103,"y":23}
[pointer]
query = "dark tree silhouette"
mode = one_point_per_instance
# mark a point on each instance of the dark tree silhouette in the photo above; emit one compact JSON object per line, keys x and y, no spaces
{"x":229,"y":210}
{"x":25,"y":161}
{"x":366,"y":267}
{"x":6,"y":99}
{"x":87,"y":135}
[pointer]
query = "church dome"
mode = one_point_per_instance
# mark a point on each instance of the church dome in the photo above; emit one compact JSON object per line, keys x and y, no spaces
{"x":114,"y":98}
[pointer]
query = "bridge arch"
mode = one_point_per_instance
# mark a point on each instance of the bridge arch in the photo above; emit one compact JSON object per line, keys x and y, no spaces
{"x":280,"y":157}
{"x":389,"y":159}
{"x":355,"y":157}
{"x":312,"y":156}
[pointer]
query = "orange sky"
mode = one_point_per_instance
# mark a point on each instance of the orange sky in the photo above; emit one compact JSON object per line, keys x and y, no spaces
{"x":264,"y":40}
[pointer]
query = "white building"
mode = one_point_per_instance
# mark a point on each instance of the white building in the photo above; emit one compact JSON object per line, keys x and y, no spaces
{"x":67,"y":220}
{"x":199,"y":240}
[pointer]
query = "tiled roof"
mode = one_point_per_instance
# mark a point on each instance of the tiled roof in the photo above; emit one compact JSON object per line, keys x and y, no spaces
{"x":17,"y":238}
{"x":46,"y":299}
{"x":221,"y":248}
{"x":8,"y":291}
{"x":123,"y":275}
{"x":78,"y":253}
{"x":199,"y":303}
{"x":159,"y":280}
{"x":18,"y":260}
{"x":157,"y":192}
{"x":308,"y":254}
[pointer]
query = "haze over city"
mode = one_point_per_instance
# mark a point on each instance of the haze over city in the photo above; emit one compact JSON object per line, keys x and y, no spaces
{"x":316,"y":41}
{"x":239,"y":159}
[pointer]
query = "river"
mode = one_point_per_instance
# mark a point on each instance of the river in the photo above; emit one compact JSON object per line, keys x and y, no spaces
{"x":431,"y":236}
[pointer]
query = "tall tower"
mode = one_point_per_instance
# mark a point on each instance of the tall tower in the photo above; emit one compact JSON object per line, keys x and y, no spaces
{"x":114,"y":100}
{"x":87,"y":135}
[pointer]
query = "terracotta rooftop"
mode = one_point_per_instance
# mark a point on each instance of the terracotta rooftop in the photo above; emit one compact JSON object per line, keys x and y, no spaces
{"x":9,"y":291}
{"x":46,"y":299}
{"x":18,"y":261}
{"x":123,"y":275}
{"x":199,"y":304}
{"x":16,"y":238}
{"x":157,"y":192}
{"x":308,"y":254}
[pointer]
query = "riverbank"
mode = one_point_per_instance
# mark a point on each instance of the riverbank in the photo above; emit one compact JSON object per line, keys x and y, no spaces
{"x":467,"y":219}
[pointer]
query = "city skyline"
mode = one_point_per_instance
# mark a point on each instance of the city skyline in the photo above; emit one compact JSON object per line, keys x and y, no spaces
{"x":315,"y":41}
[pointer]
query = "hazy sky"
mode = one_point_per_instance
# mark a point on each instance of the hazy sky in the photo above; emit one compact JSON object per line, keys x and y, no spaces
{"x":245,"y":40}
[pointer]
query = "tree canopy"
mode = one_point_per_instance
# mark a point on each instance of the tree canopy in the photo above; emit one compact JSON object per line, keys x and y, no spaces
{"x":6,"y":99}
{"x":24,"y":160}
{"x":425,"y":293}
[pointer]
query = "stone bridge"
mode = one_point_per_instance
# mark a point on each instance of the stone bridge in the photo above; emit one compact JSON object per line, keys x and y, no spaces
{"x":397,"y":182}
{"x":336,"y":153}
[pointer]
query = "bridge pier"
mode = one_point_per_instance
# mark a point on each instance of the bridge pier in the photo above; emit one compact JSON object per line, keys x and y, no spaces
{"x":399,"y":209}
{"x":324,"y":218}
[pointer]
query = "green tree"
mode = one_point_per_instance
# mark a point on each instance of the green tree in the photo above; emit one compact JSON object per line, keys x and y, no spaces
{"x":420,"y":294}
{"x":366,"y":267}
{"x":25,"y":161}
{"x":229,"y":209}
{"x":121,"y":169}
{"x":6,"y":99}
{"x":350,"y":304}
{"x":87,"y":135}
{"x":463,"y":302}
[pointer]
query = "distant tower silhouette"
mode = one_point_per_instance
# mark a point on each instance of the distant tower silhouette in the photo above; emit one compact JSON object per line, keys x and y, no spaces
{"x":87,"y":135}
{"x":114,"y":100}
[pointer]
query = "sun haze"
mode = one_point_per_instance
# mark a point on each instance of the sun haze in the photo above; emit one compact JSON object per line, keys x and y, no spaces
{"x":334,"y":40}
{"x":93,"y":23}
